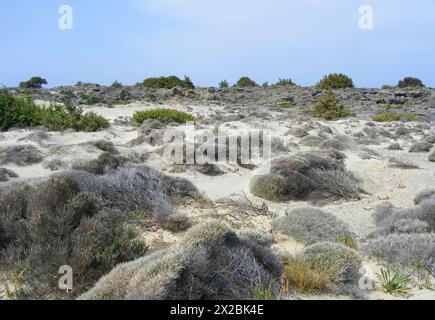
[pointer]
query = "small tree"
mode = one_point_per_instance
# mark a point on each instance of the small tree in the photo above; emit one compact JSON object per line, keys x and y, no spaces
{"x":335,"y":81}
{"x":224,"y":84}
{"x":329,"y":108}
{"x":410,"y":82}
{"x":246,"y":82}
{"x":116,"y":85}
{"x":33,"y":83}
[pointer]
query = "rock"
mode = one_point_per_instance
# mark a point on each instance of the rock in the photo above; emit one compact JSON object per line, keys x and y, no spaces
{"x":432,"y":157}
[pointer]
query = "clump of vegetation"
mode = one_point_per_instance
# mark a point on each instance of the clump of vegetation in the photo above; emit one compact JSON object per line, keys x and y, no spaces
{"x":33,"y":83}
{"x":310,"y":226}
{"x":410,"y":82}
{"x":340,"y":263}
{"x":393,"y":116}
{"x":52,"y":224}
{"x":329,"y":108}
{"x":286,"y":105}
{"x":396,"y":284}
{"x":224,"y":84}
{"x":307,"y":175}
{"x":210,"y":263}
{"x":246,"y":82}
{"x":285,"y":83}
{"x":162,"y":115}
{"x":335,"y":81}
{"x":117,"y":85}
{"x":23,"y":112}
{"x":167,"y":83}
{"x":300,"y":275}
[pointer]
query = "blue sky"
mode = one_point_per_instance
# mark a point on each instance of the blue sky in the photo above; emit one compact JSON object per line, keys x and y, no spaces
{"x":211,"y":40}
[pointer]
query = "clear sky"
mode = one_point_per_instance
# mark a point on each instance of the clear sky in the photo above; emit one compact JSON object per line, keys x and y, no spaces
{"x":212,"y":40}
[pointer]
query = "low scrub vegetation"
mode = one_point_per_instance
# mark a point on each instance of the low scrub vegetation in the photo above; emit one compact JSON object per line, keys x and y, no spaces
{"x":393,"y":116}
{"x":335,"y":81}
{"x":210,"y":263}
{"x":307,"y":175}
{"x":329,"y":108}
{"x":167,"y":83}
{"x":23,"y":112}
{"x":310,"y":226}
{"x":162,"y":115}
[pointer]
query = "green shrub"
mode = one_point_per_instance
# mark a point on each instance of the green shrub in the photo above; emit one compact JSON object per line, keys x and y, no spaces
{"x":410,"y":82}
{"x":394,"y":284}
{"x":329,"y":108}
{"x":83,"y":205}
{"x":33,"y":83}
{"x":224,"y":84}
{"x":19,"y":111}
{"x":335,"y":81}
{"x":91,"y":122}
{"x":284,"y":83}
{"x":167,"y":83}
{"x":287,"y":105}
{"x":340,"y":263}
{"x":393,"y":116}
{"x":117,"y":85}
{"x":246,"y":82}
{"x":163,"y":115}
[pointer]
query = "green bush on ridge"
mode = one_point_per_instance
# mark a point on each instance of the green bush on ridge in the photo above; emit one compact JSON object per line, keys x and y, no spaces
{"x":167,"y":83}
{"x":23,"y":112}
{"x":163,"y":115}
{"x":335,"y":81}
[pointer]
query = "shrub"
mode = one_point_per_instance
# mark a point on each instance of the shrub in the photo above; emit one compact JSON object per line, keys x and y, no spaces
{"x":410,"y":82}
{"x":421,"y":146}
{"x":210,"y":263}
{"x":306,"y":175}
{"x":299,"y":274}
{"x":402,"y":163}
{"x":394,"y":284}
{"x":136,"y":188}
{"x":287,"y":105}
{"x":246,"y":82}
{"x":33,"y":83}
{"x":6,"y":174}
{"x":340,"y":263}
{"x":21,"y":155}
{"x":167,"y":83}
{"x":117,"y":85}
{"x":18,"y":111}
{"x":285,"y":83}
{"x":91,"y":122}
{"x":53,"y":224}
{"x":393,"y":116}
{"x":310,"y":226}
{"x":402,"y":249}
{"x":163,"y":115}
{"x":329,"y":108}
{"x":83,"y":205}
{"x":224,"y":84}
{"x":335,"y":81}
